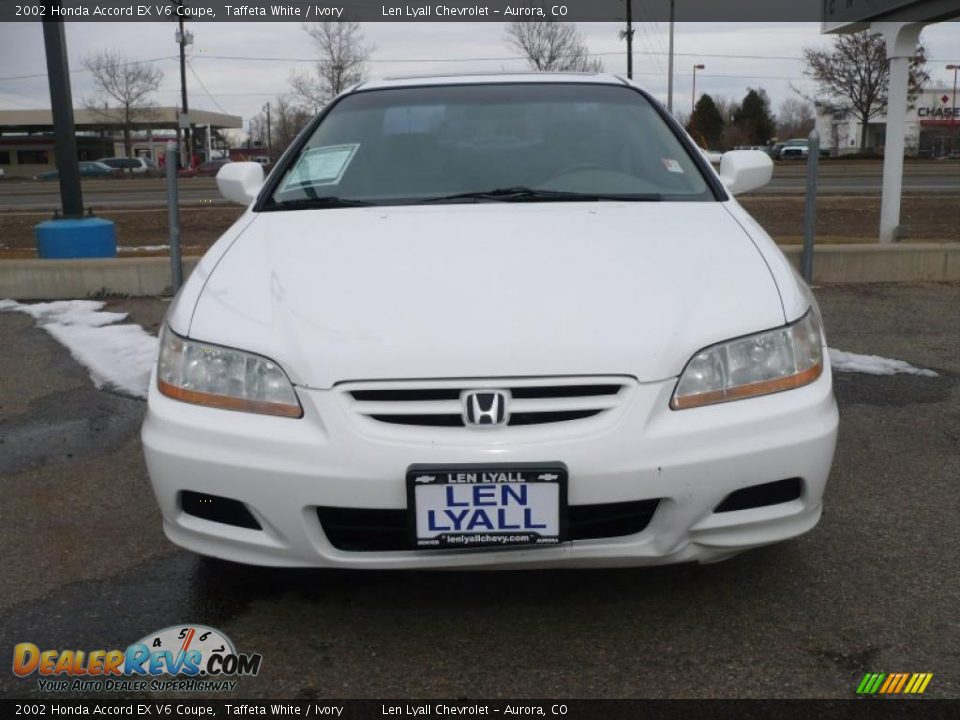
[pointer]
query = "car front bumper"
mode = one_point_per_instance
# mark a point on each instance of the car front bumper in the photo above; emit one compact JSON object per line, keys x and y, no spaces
{"x":283,"y":469}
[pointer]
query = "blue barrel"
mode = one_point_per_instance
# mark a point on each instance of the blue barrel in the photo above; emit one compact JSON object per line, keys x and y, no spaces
{"x":86,"y":238}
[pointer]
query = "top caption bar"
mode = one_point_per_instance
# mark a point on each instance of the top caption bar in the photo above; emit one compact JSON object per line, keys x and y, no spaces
{"x":424,"y":11}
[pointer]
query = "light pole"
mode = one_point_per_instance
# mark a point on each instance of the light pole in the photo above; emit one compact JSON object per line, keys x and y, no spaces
{"x":628,"y":34}
{"x":953,"y":110}
{"x":61,"y":104}
{"x":269,"y":144}
{"x":953,"y":107}
{"x":670,"y":64}
{"x":693,"y":100}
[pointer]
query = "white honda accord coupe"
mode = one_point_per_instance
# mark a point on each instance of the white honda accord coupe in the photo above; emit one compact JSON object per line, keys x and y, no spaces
{"x":506,"y":321}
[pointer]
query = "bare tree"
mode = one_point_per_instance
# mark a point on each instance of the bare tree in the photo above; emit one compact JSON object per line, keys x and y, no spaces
{"x":732,"y":134}
{"x":727,"y":107}
{"x":853,"y":77}
{"x":794,"y":119}
{"x":287,"y":119}
{"x":127,"y":84}
{"x":551,"y":46}
{"x":343,"y":56}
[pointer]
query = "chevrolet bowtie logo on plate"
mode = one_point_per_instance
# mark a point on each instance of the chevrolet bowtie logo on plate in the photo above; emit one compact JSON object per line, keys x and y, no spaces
{"x":485,"y":408}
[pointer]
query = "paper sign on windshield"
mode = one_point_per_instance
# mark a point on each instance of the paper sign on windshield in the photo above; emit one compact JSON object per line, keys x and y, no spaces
{"x":321,"y":165}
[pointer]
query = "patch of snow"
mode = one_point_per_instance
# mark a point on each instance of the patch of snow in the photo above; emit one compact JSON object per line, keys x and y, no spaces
{"x":143,"y":248}
{"x":874,"y":364}
{"x":66,"y":312}
{"x":117,"y":356}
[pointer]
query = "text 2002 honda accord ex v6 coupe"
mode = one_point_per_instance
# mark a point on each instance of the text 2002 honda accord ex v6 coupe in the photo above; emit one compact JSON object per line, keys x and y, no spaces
{"x":500,"y":321}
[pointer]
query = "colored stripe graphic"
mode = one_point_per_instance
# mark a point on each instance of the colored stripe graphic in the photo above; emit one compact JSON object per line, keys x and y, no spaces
{"x":914,"y":682}
{"x":862,"y":687}
{"x":894,"y":683}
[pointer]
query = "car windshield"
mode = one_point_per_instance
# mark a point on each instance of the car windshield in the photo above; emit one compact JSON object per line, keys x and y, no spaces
{"x":503,"y":142}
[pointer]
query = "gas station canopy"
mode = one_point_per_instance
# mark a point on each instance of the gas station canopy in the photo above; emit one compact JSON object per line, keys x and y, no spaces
{"x":85,"y":119}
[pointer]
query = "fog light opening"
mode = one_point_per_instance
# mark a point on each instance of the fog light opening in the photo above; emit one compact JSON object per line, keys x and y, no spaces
{"x":755,"y":496}
{"x":218,"y":509}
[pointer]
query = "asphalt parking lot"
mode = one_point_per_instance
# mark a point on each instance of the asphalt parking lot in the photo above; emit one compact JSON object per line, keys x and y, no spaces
{"x":872,"y":589}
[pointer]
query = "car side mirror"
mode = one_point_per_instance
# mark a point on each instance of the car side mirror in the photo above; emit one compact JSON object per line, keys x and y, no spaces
{"x":240,"y":182}
{"x":745,"y":170}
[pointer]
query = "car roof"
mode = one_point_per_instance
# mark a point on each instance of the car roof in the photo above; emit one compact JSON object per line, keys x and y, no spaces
{"x":490,"y":78}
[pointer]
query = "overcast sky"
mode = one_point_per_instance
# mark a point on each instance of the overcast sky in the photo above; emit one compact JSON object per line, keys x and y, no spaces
{"x":241,"y":87}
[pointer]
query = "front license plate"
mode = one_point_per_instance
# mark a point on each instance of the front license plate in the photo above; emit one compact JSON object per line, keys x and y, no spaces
{"x":484,"y":506}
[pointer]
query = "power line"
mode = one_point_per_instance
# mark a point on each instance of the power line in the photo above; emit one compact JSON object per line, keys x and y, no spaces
{"x":197,"y":77}
{"x":647,"y":73}
{"x":656,"y":54}
{"x":77,"y":71}
{"x":497,"y":58}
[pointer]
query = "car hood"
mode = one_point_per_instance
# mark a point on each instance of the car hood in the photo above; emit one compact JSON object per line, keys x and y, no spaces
{"x":487,"y":290}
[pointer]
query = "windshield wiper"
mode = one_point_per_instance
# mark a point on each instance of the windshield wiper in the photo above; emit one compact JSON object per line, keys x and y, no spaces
{"x":327,"y":201}
{"x":527,"y":194}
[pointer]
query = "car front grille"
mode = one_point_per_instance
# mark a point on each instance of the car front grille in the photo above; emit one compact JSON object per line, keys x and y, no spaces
{"x":535,"y":401}
{"x":364,"y":530}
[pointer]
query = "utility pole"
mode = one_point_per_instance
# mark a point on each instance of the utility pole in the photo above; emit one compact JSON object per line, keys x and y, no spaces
{"x":670,"y":63}
{"x":184,"y":106}
{"x":184,"y":38}
{"x":629,"y":36}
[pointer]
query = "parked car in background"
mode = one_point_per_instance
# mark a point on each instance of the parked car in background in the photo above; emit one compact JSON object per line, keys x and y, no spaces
{"x":132,"y":165}
{"x":205,"y":169}
{"x":87,"y":169}
{"x":795,"y":149}
{"x":510,"y":321}
{"x":798,"y":149}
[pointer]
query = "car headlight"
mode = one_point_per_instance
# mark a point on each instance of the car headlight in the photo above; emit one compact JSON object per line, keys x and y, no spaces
{"x":768,"y":362}
{"x":220,"y":377}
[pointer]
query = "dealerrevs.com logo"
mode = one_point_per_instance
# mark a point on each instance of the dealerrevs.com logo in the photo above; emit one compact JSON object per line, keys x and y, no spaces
{"x":188,"y":658}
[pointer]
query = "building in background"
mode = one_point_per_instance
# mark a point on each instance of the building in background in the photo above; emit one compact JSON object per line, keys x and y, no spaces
{"x":932,"y":130}
{"x":26,"y":136}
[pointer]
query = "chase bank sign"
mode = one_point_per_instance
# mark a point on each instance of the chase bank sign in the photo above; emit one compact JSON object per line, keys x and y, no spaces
{"x":936,"y":113}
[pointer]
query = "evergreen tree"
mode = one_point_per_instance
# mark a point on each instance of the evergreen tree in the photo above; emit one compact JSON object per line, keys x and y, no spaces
{"x":706,"y":123}
{"x":754,"y":117}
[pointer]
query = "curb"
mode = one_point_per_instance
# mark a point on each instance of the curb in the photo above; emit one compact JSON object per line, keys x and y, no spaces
{"x":895,"y":262}
{"x":35,"y":279}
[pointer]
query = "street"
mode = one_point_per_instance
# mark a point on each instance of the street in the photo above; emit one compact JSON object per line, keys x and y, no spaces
{"x":836,"y":178}
{"x":872,"y":588}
